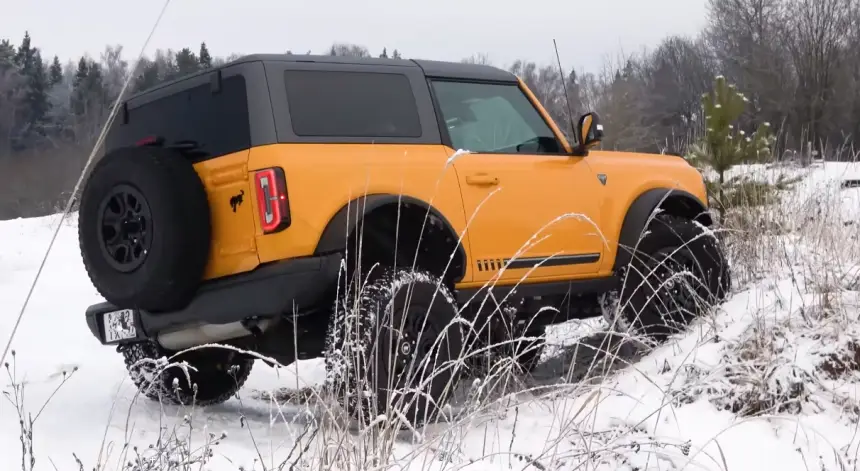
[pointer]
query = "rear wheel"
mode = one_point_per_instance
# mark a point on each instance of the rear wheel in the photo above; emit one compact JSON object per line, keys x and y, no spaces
{"x":679,"y":270}
{"x":392,"y":349}
{"x":220,"y":373}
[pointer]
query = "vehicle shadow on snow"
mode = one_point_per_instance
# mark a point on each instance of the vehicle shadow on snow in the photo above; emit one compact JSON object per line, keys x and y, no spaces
{"x":588,"y":359}
{"x":247,"y":411}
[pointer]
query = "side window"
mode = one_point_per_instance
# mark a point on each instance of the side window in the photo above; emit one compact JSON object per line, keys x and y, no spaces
{"x":493,"y":118}
{"x":217,"y":123}
{"x":351,"y":104}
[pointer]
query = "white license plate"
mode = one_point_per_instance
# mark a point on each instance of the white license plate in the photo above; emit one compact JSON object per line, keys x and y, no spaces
{"x":119,"y":325}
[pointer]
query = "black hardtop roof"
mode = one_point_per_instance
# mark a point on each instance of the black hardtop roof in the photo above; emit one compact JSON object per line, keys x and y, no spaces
{"x":431,"y":68}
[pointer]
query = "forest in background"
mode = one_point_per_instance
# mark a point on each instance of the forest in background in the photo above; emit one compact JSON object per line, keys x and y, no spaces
{"x":797,"y":63}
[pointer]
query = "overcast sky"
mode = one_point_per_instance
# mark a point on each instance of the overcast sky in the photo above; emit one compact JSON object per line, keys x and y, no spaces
{"x":586,"y":30}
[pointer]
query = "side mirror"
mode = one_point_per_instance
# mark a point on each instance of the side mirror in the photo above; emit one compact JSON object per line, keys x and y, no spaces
{"x":589,"y":131}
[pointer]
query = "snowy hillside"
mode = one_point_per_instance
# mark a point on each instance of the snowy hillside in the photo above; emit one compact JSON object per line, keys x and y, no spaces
{"x":769,"y":381}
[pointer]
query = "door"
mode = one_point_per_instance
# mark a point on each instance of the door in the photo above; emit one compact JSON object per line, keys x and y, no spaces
{"x":529,"y":205}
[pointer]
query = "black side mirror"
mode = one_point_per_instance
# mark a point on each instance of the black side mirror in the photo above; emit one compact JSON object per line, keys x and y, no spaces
{"x":589,"y":131}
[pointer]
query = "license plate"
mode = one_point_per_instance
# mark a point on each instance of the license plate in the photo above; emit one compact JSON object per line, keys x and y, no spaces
{"x":119,"y":325}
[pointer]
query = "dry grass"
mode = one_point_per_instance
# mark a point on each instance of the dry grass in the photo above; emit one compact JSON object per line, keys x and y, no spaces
{"x":799,"y":236}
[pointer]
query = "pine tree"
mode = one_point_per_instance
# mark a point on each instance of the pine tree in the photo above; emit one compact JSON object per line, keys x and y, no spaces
{"x":56,"y":72}
{"x":384,"y":54}
{"x":36,"y":98}
{"x":95,"y":78}
{"x":147,"y":76}
{"x":78,"y":100}
{"x":33,"y":114}
{"x":395,"y":54}
{"x":24,"y":56}
{"x":186,"y":62}
{"x":7,"y":55}
{"x":723,"y":146}
{"x":95,"y":86}
{"x":205,"y":58}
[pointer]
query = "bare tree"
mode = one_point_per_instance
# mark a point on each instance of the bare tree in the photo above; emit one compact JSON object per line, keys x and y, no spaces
{"x":817,"y":35}
{"x":114,"y":71}
{"x":348,"y":50}
{"x":480,"y":58}
{"x":676,"y":75}
{"x":623,"y":106}
{"x":746,"y":39}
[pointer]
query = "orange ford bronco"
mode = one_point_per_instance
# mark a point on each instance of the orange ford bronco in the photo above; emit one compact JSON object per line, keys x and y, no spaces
{"x":289,"y":206}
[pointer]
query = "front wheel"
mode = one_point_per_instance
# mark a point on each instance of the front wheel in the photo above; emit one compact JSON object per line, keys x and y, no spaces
{"x":678,"y":270}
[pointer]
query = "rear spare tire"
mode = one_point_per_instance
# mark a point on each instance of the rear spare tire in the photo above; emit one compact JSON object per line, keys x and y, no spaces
{"x":144,"y":228}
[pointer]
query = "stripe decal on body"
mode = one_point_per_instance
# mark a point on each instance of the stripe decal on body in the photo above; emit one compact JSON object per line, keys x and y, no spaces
{"x":529,"y":262}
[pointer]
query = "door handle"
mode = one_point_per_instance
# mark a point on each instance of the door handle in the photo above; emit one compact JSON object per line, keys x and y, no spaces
{"x":482,"y":179}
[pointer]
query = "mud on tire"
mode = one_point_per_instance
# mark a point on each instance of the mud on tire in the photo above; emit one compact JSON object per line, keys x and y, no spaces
{"x":395,"y":346}
{"x":144,"y":228}
{"x":677,"y":272}
{"x":220,"y":374}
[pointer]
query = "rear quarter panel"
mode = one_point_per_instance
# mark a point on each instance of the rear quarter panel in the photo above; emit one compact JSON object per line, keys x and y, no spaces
{"x":628,"y":175}
{"x":233,"y":247}
{"x":323,"y":178}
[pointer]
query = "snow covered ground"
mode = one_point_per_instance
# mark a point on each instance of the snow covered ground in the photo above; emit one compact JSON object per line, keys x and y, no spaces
{"x":769,"y":381}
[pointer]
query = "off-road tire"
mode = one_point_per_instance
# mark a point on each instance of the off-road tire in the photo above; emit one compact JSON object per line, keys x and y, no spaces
{"x":676,"y":249}
{"x":359,"y":353}
{"x":172,"y":241}
{"x":220,"y":374}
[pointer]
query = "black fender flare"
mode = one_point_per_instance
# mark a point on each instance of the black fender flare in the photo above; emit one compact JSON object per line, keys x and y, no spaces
{"x":343,"y":224}
{"x":675,"y":202}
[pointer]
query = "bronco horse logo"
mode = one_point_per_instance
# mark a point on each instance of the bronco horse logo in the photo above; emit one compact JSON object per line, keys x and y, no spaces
{"x":236,"y":201}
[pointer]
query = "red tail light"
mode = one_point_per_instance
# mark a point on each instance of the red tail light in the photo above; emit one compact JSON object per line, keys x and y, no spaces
{"x":272,"y":199}
{"x":150,"y":141}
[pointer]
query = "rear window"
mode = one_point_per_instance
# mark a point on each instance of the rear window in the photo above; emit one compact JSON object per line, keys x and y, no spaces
{"x":217,"y":123}
{"x":351,"y":104}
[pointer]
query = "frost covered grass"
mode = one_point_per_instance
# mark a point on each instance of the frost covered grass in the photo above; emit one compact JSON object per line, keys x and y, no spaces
{"x":767,"y":380}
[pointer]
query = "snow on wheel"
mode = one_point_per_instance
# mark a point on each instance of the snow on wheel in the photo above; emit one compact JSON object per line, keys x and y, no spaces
{"x":144,"y":228}
{"x":220,"y":373}
{"x":395,"y":347}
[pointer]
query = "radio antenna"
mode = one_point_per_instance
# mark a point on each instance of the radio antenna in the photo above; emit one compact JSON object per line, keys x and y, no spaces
{"x":566,"y":96}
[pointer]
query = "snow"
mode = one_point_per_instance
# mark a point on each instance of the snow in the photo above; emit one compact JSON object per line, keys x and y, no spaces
{"x":767,"y":381}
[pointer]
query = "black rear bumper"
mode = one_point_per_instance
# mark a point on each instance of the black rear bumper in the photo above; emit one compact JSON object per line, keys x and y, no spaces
{"x":269,"y":291}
